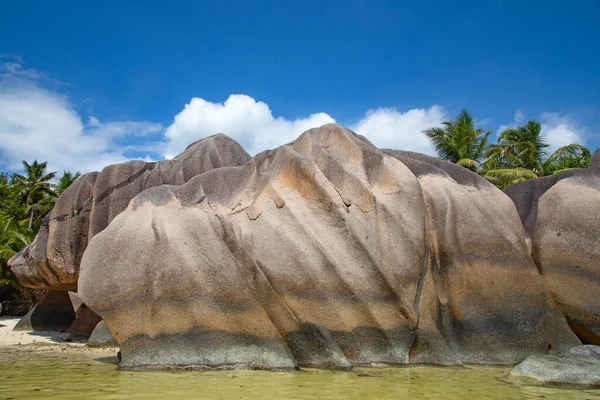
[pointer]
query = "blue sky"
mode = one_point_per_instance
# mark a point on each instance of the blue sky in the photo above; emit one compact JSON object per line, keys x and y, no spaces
{"x":85,"y":84}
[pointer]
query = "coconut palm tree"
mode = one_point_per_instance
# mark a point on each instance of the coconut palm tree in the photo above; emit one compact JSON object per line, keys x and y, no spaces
{"x":571,"y":162}
{"x":65,"y":181}
{"x":522,"y":153}
{"x":36,"y":185}
{"x":459,"y":142}
{"x":13,"y":237}
{"x":46,"y":204}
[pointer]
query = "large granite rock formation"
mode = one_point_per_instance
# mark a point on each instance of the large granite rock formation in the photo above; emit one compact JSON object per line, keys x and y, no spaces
{"x":561,"y":216}
{"x":87,"y":207}
{"x":325,"y":252}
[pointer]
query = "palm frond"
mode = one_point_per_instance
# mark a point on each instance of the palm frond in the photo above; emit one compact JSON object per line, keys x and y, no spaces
{"x":443,"y":143}
{"x":573,"y":149}
{"x":511,"y":173}
{"x":469,"y":164}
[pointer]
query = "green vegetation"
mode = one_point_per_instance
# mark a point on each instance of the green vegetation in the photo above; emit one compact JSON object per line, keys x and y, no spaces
{"x":520,"y":153}
{"x":460,"y":142}
{"x":24,"y":201}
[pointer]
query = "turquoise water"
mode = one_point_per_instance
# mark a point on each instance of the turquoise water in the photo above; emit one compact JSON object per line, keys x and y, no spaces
{"x":29,"y":373}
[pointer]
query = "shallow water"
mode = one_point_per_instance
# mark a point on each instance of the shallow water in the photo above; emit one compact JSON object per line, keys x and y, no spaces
{"x":35,"y":374}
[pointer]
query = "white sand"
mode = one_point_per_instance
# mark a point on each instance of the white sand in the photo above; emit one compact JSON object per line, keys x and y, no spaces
{"x":46,"y":340}
{"x":9,"y":338}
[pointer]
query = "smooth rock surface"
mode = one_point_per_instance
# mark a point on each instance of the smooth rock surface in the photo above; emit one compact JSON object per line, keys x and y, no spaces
{"x":53,"y":313}
{"x":577,"y":368}
{"x":325,"y":252}
{"x":561,"y":216}
{"x":101,"y":337}
{"x":84,"y":324}
{"x":52,"y":260}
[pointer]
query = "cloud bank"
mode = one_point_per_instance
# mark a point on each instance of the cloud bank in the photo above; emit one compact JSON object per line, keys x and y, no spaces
{"x":253,"y":125}
{"x":37,"y":122}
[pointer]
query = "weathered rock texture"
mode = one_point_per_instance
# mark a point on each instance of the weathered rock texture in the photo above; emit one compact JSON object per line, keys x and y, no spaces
{"x":577,"y":368}
{"x":84,"y":324}
{"x":325,"y":252}
{"x":87,"y":207}
{"x":101,"y":337}
{"x":561,"y":216}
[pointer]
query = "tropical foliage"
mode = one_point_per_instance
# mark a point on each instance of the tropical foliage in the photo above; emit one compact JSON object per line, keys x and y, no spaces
{"x":459,"y":142}
{"x":13,"y":237}
{"x":35,"y":185}
{"x":520,"y":153}
{"x":24,"y":200}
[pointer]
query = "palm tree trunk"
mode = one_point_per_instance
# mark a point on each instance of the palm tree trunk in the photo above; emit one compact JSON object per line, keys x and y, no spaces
{"x":31,"y":219}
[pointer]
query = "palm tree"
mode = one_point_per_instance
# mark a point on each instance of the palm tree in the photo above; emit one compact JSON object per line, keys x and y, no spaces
{"x":572,"y":162}
{"x":13,"y":237}
{"x":459,"y":142}
{"x":522,"y":153}
{"x":65,"y":181}
{"x":36,"y":185}
{"x":47,"y":203}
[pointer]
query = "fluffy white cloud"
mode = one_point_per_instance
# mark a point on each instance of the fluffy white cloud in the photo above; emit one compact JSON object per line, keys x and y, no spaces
{"x":39,"y":123}
{"x":249,"y":122}
{"x":253,"y":125}
{"x":561,"y":130}
{"x":389,"y":128}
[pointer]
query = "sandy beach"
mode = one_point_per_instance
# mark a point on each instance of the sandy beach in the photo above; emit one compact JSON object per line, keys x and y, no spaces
{"x":42,"y":340}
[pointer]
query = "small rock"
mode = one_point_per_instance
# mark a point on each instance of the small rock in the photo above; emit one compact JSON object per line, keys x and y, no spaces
{"x":577,"y":368}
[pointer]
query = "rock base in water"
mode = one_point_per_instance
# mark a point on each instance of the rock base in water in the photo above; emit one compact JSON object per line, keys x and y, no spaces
{"x":578,"y":368}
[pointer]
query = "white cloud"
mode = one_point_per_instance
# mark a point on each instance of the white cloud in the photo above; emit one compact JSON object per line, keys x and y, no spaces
{"x":253,"y":125}
{"x":39,"y":123}
{"x":249,"y":122}
{"x":561,"y":130}
{"x":389,"y":128}
{"x":122,"y":128}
